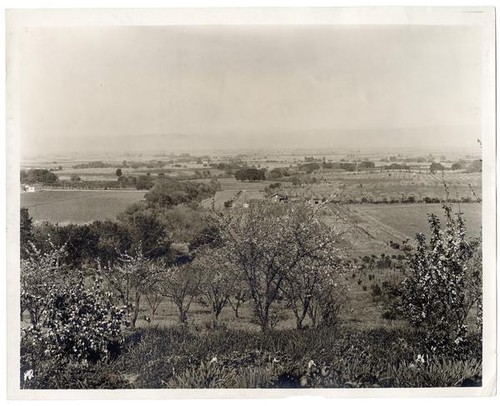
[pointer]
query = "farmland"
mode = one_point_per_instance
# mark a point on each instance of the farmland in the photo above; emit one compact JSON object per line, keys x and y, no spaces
{"x":369,"y":228}
{"x":236,"y":191}
{"x":390,"y":185}
{"x":73,"y":206}
{"x":172,"y":246}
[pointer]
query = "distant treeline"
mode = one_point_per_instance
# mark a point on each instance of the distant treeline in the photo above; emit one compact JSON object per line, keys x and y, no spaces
{"x":385,"y":200}
{"x":139,"y":182}
{"x":38,"y":176}
{"x":403,"y":199}
{"x":149,"y":164}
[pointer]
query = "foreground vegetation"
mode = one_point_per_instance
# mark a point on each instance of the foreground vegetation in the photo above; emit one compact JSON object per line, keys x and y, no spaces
{"x":181,"y":357}
{"x":279,"y":279}
{"x":82,"y":322}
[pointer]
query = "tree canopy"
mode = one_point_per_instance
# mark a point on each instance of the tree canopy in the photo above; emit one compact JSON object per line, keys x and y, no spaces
{"x":251,"y":174}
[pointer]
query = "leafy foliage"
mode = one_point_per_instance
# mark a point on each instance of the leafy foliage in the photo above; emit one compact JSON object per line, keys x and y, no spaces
{"x":251,"y":174}
{"x":147,"y":231}
{"x":38,"y":176}
{"x":169,"y":193}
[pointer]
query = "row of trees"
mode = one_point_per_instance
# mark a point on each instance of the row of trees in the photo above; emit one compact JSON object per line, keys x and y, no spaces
{"x":298,"y":267}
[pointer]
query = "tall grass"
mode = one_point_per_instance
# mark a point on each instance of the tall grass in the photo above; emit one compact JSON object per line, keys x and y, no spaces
{"x":182,"y":358}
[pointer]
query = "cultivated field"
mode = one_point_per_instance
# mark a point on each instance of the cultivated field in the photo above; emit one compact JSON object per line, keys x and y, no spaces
{"x":390,"y":185}
{"x":368,"y":228}
{"x":73,"y":206}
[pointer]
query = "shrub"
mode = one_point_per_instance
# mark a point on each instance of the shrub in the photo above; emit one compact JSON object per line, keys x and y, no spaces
{"x":442,"y":283}
{"x":79,"y":326}
{"x":40,"y":273}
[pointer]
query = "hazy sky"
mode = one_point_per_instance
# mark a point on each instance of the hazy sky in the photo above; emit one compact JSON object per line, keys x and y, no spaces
{"x":199,"y":87}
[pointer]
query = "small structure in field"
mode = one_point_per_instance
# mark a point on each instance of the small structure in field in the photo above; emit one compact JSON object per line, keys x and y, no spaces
{"x":279,"y":198}
{"x":30,"y":188}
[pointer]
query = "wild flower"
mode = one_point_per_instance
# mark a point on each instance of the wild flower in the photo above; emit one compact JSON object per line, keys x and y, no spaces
{"x":28,"y":375}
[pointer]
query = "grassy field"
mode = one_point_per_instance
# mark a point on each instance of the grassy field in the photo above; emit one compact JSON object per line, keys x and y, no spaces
{"x":368,"y":228}
{"x":72,"y":206}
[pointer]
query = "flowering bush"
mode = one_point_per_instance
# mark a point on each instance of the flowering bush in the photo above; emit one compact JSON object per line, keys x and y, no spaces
{"x":79,"y":326}
{"x":442,"y":284}
{"x":40,"y":273}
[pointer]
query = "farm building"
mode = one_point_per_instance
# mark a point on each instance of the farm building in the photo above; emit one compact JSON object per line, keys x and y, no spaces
{"x":279,"y":198}
{"x":30,"y":188}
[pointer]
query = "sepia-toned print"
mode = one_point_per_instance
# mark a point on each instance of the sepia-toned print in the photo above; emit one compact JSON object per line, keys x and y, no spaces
{"x":253,"y":206}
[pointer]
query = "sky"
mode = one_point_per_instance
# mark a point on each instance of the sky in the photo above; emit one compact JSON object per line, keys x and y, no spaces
{"x":90,"y":89}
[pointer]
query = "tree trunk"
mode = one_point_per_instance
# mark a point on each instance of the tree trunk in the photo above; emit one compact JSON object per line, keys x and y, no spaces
{"x":264,"y":321}
{"x":182,"y":315}
{"x":215,"y":318}
{"x":236,"y":307}
{"x":135,"y":315}
{"x":313,"y":316}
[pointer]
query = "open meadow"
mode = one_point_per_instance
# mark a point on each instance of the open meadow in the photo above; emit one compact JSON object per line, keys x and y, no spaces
{"x":75,"y":206}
